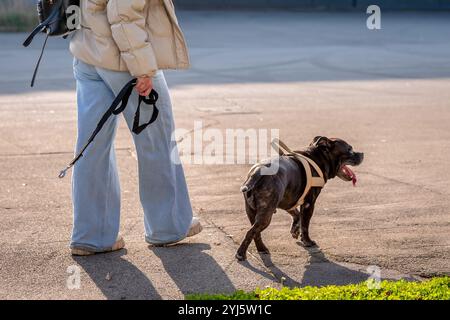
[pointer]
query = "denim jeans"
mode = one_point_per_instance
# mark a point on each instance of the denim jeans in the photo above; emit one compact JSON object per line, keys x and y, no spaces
{"x":95,"y":181}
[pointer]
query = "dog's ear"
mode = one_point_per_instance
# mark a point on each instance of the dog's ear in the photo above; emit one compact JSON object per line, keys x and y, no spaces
{"x":321,"y":141}
{"x":315,"y":140}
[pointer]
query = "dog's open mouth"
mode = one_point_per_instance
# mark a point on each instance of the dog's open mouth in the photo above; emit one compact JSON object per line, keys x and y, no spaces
{"x":346,"y":174}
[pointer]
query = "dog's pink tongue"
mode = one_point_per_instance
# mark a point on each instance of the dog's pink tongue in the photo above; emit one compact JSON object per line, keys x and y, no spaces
{"x":351,"y":174}
{"x":354,"y":179}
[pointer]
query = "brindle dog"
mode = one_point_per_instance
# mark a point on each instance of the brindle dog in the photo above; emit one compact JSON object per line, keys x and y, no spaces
{"x":265,"y":193}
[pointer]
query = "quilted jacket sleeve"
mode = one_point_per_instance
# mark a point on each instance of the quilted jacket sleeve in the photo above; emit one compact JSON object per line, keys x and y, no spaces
{"x":127,"y":19}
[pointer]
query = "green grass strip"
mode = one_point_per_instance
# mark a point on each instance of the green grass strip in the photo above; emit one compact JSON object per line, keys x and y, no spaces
{"x":433,"y":289}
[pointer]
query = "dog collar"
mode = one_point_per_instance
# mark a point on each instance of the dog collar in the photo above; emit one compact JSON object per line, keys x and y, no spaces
{"x":311,"y":182}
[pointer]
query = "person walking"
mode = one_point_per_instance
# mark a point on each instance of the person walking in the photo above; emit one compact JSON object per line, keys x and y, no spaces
{"x":119,"y":40}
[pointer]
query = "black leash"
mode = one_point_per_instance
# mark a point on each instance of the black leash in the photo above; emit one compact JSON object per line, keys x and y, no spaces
{"x":115,"y":109}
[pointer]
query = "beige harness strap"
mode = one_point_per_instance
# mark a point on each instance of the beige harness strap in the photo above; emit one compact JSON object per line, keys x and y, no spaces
{"x":311,"y":182}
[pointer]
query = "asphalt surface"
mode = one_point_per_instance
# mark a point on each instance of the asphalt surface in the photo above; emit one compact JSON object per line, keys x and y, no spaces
{"x":306,"y":74}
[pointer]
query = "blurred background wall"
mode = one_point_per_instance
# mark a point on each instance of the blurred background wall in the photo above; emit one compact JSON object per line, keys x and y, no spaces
{"x":304,"y":4}
{"x":314,"y":4}
{"x":20,"y":15}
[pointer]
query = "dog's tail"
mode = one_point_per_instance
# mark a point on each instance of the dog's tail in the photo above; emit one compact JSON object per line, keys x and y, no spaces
{"x":253,"y":178}
{"x":244,"y":188}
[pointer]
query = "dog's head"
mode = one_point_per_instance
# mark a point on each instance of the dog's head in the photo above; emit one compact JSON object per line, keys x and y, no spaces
{"x":340,"y":155}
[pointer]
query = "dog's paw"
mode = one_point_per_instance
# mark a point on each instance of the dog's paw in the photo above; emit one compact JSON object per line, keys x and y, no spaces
{"x":265,"y":251}
{"x":241,"y":257}
{"x":295,"y":234}
{"x":262,"y":249}
{"x":308,"y":243}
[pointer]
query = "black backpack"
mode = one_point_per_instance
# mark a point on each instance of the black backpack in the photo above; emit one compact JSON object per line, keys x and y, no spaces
{"x":53,"y":20}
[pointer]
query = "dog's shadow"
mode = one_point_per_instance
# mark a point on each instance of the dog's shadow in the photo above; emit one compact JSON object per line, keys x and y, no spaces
{"x":117,"y":278}
{"x":272,"y":273}
{"x":319,"y":271}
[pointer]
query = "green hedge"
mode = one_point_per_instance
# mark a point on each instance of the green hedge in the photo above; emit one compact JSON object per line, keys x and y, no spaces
{"x":15,"y":22}
{"x":434,"y":289}
{"x":17,"y":15}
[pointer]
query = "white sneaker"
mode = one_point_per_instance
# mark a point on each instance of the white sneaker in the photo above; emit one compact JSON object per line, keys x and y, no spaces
{"x":118,"y":245}
{"x":196,"y":227}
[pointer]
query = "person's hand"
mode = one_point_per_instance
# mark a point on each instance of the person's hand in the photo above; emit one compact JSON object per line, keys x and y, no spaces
{"x":144,"y":86}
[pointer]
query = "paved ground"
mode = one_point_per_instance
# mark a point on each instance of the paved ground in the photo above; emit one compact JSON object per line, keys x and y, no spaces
{"x":311,"y":74}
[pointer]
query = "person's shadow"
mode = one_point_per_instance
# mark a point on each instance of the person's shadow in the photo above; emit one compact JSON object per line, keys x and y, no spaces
{"x":193,"y":270}
{"x":125,"y":280}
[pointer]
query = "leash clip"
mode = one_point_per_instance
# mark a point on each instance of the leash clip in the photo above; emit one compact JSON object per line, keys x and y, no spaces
{"x":63,"y":173}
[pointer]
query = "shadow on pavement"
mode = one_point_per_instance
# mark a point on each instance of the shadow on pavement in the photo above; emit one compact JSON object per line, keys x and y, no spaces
{"x":193,"y":270}
{"x":126,"y":282}
{"x":320,"y":271}
{"x":273,"y":273}
{"x":278,"y":273}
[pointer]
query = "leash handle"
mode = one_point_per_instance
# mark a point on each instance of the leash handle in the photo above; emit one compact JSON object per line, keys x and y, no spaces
{"x":150,"y":100}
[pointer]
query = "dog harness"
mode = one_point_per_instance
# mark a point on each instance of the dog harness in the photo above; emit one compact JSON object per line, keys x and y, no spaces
{"x":311,"y":181}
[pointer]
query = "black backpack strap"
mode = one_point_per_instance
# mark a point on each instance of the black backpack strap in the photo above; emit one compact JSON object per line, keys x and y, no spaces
{"x":118,"y":106}
{"x":39,"y":61}
{"x":43,"y":26}
{"x":40,"y":28}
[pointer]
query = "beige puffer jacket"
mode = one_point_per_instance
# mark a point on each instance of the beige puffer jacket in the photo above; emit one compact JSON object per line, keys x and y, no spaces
{"x":139,"y":36}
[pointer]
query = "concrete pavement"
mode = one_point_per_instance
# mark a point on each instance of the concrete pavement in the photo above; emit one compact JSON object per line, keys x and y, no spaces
{"x":308,"y":74}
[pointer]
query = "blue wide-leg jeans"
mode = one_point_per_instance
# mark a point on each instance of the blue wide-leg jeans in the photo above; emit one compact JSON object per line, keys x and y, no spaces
{"x":95,"y":181}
